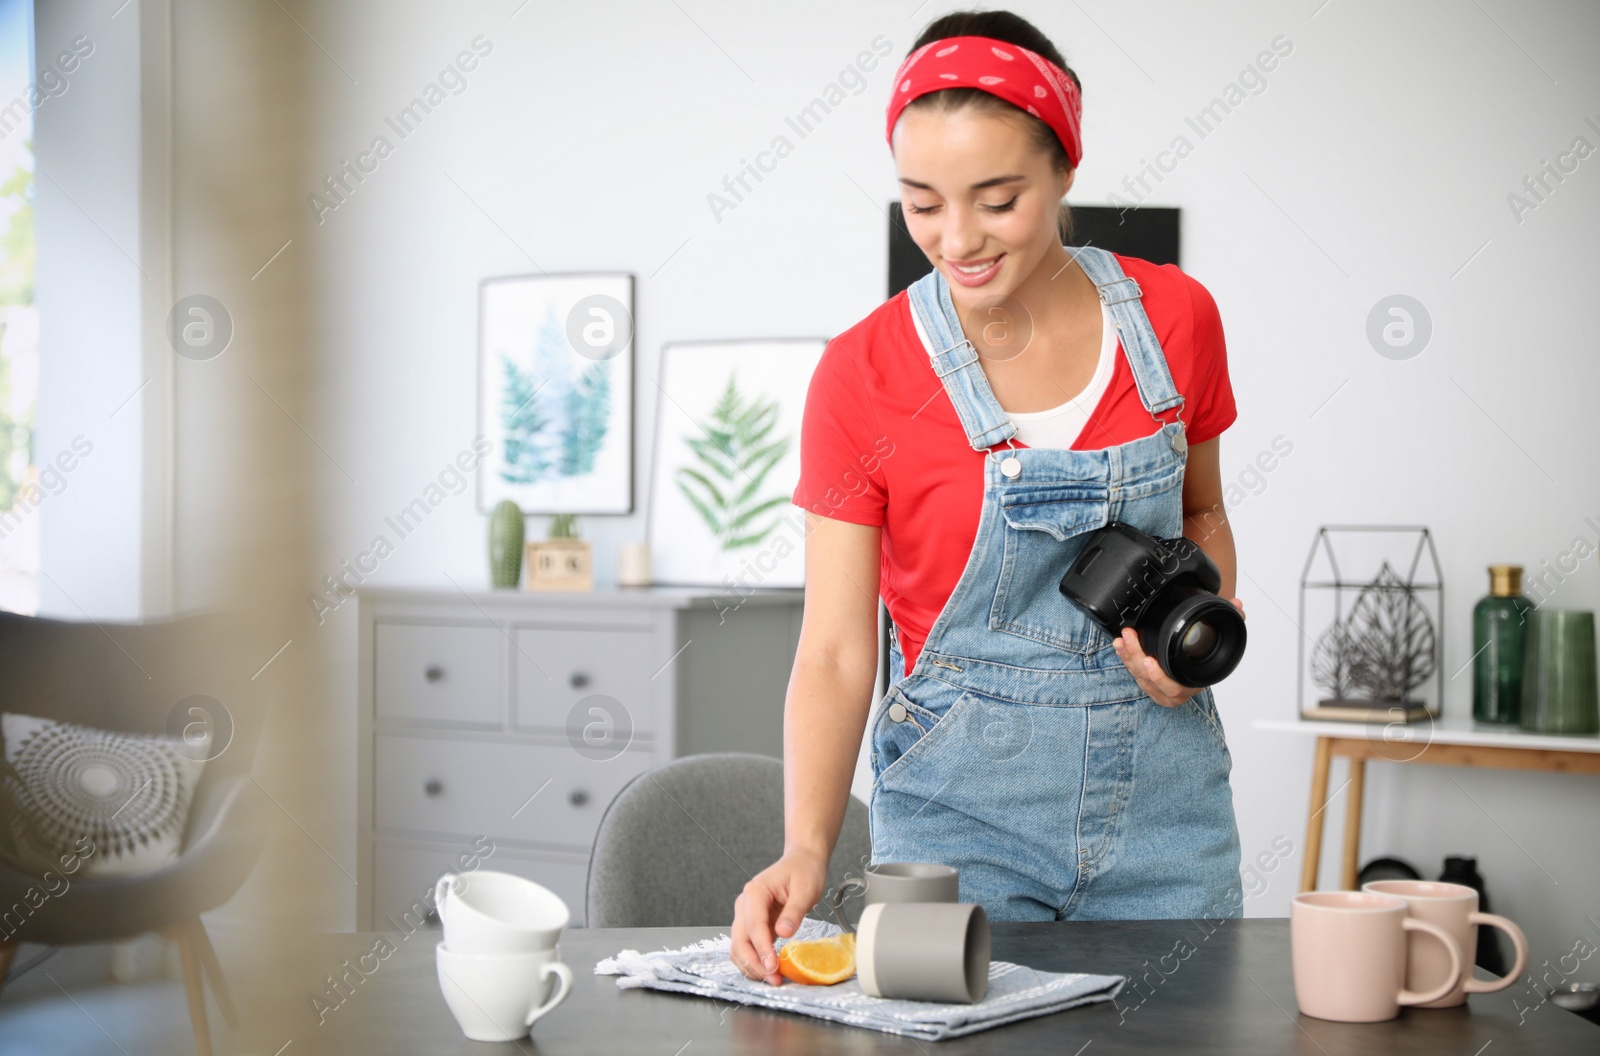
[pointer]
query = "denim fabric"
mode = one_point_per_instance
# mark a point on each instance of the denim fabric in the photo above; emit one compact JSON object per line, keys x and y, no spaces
{"x":1021,"y":750}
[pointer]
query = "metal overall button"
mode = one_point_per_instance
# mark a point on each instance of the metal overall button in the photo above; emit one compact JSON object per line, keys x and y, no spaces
{"x":1011,"y":465}
{"x":897,"y":712}
{"x":1177,"y":432}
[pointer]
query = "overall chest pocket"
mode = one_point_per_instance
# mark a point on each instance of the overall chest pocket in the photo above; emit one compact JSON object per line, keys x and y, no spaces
{"x":1046,"y":525}
{"x":1045,"y":528}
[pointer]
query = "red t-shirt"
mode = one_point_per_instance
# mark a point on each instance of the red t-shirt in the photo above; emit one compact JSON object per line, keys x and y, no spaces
{"x":879,"y":425}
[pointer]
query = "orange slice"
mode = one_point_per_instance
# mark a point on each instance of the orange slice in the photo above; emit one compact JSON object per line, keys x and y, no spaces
{"x":819,"y":962}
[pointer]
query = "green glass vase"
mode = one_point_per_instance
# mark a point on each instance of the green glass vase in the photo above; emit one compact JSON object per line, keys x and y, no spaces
{"x":1498,"y":624}
{"x":1559,"y":689}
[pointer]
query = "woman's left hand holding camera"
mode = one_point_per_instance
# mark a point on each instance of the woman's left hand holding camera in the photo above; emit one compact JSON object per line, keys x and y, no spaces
{"x":1147,"y":671}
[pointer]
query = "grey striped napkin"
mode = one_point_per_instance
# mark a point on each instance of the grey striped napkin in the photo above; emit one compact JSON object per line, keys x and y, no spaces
{"x":1015,"y":992}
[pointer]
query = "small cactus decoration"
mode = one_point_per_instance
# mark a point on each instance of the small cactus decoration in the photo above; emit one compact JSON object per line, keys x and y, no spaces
{"x":506,"y":534}
{"x":564,"y":526}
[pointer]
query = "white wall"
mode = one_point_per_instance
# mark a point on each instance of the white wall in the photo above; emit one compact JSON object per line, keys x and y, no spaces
{"x":1376,"y":161}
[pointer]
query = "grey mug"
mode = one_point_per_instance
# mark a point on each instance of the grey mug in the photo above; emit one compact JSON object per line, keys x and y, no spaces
{"x":902,"y":882}
{"x":924,"y":951}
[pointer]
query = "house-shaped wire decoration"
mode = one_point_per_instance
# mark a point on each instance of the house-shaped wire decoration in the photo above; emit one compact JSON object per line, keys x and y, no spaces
{"x":1372,"y":618}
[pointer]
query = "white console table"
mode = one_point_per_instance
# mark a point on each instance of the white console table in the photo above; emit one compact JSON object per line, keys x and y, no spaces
{"x":496,"y":726}
{"x":1449,"y":741}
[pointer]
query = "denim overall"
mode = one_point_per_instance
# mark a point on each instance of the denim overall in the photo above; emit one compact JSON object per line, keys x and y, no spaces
{"x":1021,"y":750}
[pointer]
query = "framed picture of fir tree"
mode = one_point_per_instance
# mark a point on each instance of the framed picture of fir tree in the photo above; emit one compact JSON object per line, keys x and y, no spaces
{"x":555,"y":392}
{"x":726,"y":462}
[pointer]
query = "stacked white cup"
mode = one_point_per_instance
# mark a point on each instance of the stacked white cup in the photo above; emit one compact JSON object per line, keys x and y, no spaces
{"x":499,"y":964}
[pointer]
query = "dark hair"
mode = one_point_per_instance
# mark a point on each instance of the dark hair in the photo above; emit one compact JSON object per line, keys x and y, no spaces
{"x":1013,"y":29}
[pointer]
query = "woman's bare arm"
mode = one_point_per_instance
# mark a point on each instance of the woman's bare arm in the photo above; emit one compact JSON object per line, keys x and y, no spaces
{"x":830,"y":690}
{"x":830,"y":693}
{"x":1205,"y":519}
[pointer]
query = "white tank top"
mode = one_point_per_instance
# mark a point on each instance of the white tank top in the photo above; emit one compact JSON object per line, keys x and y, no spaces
{"x":1060,"y":426}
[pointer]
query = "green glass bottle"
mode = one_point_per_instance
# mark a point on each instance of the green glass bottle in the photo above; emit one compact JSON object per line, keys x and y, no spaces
{"x":1497,"y":634}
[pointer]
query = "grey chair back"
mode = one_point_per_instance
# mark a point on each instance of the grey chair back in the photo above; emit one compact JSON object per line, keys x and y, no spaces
{"x":678,"y":843}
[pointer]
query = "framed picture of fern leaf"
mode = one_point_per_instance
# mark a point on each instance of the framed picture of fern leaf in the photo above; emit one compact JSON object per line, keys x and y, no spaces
{"x":555,"y":392}
{"x":727,"y":459}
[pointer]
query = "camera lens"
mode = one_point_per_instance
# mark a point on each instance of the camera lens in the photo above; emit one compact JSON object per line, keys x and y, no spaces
{"x":1199,"y":639}
{"x":1198,"y":642}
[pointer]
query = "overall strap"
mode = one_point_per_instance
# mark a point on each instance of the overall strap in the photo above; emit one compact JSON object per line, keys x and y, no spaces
{"x":1123,"y":296}
{"x":955,"y":361}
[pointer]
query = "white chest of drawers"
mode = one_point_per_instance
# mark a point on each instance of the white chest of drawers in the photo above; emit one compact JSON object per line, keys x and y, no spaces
{"x":494,"y":727}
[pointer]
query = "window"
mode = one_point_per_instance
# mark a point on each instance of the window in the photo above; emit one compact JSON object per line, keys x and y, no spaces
{"x":20,"y":492}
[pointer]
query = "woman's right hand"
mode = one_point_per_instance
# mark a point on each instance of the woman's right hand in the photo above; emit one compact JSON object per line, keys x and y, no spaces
{"x":771,"y":906}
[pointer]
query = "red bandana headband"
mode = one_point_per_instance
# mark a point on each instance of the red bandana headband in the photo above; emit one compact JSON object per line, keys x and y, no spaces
{"x":1023,"y":78}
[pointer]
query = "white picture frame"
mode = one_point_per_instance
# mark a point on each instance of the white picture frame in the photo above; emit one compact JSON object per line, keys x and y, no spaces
{"x":726,"y":461}
{"x":556,"y":393}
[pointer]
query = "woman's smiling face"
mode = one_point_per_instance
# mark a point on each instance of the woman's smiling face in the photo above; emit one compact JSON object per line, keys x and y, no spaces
{"x":979,"y":197}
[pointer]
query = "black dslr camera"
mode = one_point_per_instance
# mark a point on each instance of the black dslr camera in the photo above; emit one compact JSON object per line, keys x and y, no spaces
{"x":1166,"y":590}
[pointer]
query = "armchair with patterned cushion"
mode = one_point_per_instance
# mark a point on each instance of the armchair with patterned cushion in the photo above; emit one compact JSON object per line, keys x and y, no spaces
{"x":112,"y":682}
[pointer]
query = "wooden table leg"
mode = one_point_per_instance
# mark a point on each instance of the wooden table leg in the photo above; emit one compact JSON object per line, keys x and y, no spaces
{"x":1352,"y":825}
{"x":1319,"y":800}
{"x":213,"y":967}
{"x":194,"y":986}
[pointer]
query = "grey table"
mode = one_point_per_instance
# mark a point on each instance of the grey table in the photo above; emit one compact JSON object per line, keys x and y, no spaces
{"x":1193,"y":988}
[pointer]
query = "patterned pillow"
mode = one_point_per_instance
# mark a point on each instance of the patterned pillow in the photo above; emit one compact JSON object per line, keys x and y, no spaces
{"x":125,"y":795}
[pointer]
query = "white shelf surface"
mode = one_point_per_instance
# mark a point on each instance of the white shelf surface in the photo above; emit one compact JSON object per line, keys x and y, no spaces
{"x":1451,"y":729}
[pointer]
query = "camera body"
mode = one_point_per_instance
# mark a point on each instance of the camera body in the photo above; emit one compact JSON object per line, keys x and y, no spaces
{"x":1166,"y":590}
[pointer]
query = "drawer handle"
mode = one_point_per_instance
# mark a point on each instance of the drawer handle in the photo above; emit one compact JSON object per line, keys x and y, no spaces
{"x":577,"y":680}
{"x":577,"y":797}
{"x":433,"y":672}
{"x":432,"y":787}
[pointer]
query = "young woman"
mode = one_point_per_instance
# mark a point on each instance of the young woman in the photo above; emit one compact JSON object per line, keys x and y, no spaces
{"x":958,"y":446}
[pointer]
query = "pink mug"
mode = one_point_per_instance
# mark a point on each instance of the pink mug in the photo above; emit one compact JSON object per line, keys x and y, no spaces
{"x":1453,"y":907}
{"x":1348,"y":952}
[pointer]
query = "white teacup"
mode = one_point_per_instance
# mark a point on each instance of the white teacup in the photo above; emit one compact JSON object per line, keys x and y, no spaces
{"x":490,"y":912}
{"x":499,"y":996}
